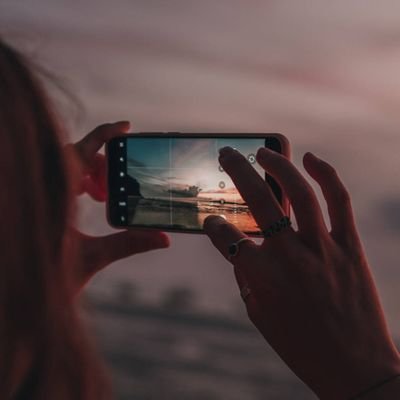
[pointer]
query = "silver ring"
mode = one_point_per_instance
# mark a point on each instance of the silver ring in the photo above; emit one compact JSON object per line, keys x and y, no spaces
{"x":233,"y":248}
{"x":245,"y":292}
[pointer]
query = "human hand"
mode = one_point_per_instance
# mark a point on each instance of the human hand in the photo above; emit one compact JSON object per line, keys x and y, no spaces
{"x":312,"y":294}
{"x":89,"y":176}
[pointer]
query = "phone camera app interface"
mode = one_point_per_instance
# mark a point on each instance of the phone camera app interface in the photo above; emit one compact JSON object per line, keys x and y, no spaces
{"x":178,"y":182}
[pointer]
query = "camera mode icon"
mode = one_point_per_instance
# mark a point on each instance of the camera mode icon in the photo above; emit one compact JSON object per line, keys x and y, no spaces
{"x":251,"y":158}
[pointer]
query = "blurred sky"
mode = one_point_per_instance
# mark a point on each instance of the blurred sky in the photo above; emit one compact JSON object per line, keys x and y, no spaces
{"x":324,"y":73}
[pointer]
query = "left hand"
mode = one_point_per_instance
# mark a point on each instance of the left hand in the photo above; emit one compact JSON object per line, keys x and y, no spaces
{"x":89,"y":176}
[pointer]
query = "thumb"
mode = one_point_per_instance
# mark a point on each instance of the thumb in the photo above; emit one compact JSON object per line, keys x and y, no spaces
{"x":105,"y":250}
{"x":89,"y":145}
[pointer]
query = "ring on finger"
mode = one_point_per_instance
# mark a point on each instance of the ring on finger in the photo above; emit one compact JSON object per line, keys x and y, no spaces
{"x":276,"y":227}
{"x":233,"y":249}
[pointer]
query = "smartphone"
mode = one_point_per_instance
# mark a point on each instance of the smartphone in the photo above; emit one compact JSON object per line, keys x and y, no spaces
{"x":172,"y":181}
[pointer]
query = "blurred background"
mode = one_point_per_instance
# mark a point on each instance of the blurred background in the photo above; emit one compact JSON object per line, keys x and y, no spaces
{"x":326,"y":74}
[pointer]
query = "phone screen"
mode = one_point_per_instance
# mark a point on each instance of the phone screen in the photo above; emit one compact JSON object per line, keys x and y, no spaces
{"x":174,"y":183}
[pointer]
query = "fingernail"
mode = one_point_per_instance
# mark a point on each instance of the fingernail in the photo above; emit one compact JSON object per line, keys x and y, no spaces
{"x":224,"y":151}
{"x":164,"y":241}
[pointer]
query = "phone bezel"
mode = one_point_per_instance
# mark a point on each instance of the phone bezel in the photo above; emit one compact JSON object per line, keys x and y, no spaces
{"x":110,"y":168}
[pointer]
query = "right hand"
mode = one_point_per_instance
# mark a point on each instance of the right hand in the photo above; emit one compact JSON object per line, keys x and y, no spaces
{"x":312,"y":297}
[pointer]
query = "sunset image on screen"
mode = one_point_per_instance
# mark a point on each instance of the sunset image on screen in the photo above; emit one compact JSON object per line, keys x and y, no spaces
{"x":178,"y":182}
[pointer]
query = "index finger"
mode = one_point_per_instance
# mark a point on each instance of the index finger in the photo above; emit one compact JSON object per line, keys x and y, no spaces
{"x":252,"y":187}
{"x":88,"y":146}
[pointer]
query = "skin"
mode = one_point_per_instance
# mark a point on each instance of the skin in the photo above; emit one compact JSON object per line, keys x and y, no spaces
{"x":89,"y":176}
{"x":313,"y":297}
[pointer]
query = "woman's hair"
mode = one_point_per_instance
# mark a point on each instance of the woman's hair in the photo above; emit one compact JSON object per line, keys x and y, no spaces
{"x":38,"y":317}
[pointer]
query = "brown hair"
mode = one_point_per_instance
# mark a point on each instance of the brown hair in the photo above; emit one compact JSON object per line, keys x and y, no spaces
{"x":38,"y":316}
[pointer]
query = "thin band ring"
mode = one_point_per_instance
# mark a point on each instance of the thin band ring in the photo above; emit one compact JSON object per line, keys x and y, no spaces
{"x":233,"y":248}
{"x":276,"y":227}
